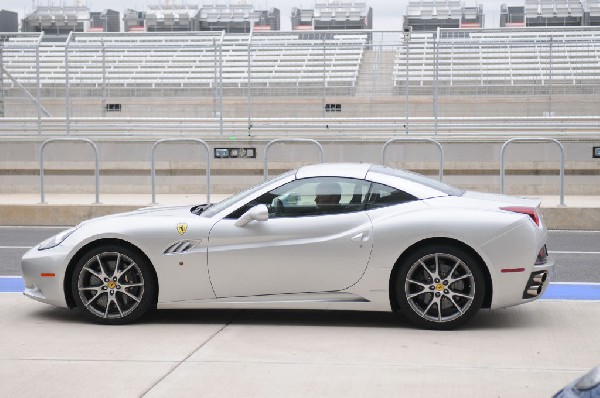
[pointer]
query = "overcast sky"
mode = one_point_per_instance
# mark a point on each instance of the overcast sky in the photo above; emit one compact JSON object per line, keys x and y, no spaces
{"x":387,"y":14}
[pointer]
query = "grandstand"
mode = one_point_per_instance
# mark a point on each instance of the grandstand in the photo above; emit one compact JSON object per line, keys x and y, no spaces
{"x":121,"y":63}
{"x":171,"y":17}
{"x":181,"y":17}
{"x":308,"y":71}
{"x":105,"y":21}
{"x":333,"y":15}
{"x":54,"y":20}
{"x":133,"y":21}
{"x":429,"y":15}
{"x":512,"y":16}
{"x":237,"y":18}
{"x":555,"y":13}
{"x":498,"y":61}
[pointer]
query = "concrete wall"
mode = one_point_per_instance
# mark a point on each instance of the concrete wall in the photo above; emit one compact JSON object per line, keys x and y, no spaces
{"x":197,"y":105}
{"x":532,"y":169}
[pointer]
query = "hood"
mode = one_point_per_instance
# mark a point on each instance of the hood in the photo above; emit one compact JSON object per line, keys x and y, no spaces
{"x":160,"y":211}
{"x":156,"y":211}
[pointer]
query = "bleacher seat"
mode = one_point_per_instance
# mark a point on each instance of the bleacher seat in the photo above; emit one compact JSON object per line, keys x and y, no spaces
{"x":502,"y":58}
{"x":192,"y":59}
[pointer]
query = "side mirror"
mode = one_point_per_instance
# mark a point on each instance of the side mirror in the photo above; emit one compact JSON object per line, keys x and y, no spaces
{"x":257,"y":213}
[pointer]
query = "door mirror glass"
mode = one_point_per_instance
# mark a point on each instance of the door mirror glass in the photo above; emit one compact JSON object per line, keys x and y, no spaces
{"x":257,"y":213}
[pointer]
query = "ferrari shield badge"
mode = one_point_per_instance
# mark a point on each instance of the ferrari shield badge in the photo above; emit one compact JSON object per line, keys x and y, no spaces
{"x":182,"y":228}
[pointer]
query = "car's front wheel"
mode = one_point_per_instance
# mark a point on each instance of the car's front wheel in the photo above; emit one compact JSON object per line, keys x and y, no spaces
{"x":439,"y":287}
{"x":113,"y":285}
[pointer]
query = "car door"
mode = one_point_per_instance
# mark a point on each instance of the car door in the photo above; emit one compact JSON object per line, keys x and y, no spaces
{"x":300,"y":248}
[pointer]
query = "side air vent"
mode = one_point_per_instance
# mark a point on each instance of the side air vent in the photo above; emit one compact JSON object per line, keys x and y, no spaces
{"x":183,"y":246}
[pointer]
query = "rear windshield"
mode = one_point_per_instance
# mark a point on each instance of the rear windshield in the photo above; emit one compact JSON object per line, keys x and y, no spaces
{"x":419,"y":179}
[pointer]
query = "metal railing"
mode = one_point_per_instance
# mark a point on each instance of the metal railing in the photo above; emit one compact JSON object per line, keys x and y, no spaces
{"x":425,"y":140}
{"x":96,"y":169}
{"x":295,"y":140}
{"x":290,"y":140}
{"x":180,"y":140}
{"x":533,"y":140}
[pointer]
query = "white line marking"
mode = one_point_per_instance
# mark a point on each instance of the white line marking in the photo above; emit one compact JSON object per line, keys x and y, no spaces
{"x":559,"y":252}
{"x":573,"y":231}
{"x":33,"y":227}
{"x":15,"y":247}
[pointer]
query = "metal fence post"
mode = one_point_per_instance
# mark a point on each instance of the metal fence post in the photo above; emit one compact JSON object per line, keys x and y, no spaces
{"x":249,"y":80}
{"x":67,"y":86}
{"x":532,"y":140}
{"x":96,"y":167}
{"x":103,"y":110}
{"x":290,"y":140}
{"x":436,"y":109}
{"x":38,"y":91}
{"x":436,"y":143}
{"x":178,"y":140}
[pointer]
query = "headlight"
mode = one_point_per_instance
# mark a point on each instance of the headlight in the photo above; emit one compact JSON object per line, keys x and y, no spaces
{"x":56,"y":239}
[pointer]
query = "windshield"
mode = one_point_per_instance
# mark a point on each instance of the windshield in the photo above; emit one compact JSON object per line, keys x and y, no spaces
{"x":239,"y":197}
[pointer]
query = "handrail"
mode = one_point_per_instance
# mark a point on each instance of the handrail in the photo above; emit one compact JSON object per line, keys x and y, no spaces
{"x":190,"y":140}
{"x":407,"y":139}
{"x":97,"y":167}
{"x":530,"y":140}
{"x":289,"y":140}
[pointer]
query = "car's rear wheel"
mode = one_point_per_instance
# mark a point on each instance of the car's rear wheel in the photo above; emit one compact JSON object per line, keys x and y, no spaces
{"x":439,"y":287}
{"x":113,"y":285}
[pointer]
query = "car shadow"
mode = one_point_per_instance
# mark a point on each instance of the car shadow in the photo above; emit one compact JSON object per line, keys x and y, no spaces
{"x":485,"y":319}
{"x":278,"y":317}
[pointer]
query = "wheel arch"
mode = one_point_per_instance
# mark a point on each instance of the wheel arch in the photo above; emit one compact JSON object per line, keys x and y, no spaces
{"x":487,"y":300}
{"x":92,"y":245}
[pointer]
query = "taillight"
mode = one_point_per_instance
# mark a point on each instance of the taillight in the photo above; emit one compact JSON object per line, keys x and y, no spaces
{"x":530,"y":211}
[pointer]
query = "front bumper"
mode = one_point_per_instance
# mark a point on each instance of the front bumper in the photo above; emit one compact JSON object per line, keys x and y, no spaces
{"x":44,"y":274}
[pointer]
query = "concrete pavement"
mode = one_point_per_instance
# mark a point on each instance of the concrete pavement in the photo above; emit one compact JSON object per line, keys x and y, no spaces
{"x":531,"y":350}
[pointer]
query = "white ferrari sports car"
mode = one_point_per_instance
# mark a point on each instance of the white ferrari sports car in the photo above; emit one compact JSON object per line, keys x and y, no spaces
{"x":330,"y":236}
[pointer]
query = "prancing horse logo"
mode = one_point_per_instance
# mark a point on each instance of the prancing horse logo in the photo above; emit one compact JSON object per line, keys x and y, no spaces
{"x":182,"y":228}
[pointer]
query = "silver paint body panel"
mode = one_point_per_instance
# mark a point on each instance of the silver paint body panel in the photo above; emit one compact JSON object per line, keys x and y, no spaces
{"x":329,"y":261}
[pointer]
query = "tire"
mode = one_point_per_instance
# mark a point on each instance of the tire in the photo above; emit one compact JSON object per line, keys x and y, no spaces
{"x":439,"y":287}
{"x":113,"y":285}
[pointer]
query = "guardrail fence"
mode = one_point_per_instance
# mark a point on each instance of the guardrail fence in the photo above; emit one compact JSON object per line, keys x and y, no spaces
{"x":269,"y":145}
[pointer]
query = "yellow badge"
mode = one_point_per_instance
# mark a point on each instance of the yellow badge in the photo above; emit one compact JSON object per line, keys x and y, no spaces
{"x":182,"y":228}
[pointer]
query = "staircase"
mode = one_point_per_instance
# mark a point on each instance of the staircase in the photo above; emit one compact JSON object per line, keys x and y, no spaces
{"x":375,"y":76}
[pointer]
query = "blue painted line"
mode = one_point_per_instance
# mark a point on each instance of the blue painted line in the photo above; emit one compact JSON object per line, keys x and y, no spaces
{"x":556,"y":291}
{"x":572,"y":291}
{"x":11,"y":285}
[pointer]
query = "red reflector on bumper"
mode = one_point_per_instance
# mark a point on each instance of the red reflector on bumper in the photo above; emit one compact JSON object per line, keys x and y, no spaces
{"x":47,"y":275}
{"x":513,"y":270}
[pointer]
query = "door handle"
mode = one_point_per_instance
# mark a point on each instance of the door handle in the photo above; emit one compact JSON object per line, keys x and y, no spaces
{"x":361,"y":237}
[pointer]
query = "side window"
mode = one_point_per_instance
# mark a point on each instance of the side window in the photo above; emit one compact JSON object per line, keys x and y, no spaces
{"x":382,"y":196}
{"x":312,"y":197}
